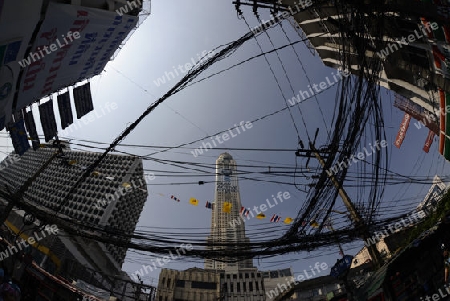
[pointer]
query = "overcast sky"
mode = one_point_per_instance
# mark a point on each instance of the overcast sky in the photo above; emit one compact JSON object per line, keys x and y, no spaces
{"x":175,"y":33}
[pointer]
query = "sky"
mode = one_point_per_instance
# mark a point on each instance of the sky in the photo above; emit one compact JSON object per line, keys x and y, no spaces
{"x":177,"y":32}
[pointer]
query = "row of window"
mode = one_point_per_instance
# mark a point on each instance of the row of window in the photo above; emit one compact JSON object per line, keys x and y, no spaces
{"x":247,"y":275}
{"x":238,"y":287}
{"x":197,"y":284}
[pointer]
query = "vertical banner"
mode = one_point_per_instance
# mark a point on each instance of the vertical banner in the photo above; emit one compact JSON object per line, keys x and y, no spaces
{"x":402,"y":131}
{"x":31,"y":128}
{"x":65,"y":110}
{"x":447,"y":127}
{"x":442,"y":122}
{"x":83,"y":100}
{"x":18,"y":137}
{"x":428,"y":142}
{"x":48,"y":121}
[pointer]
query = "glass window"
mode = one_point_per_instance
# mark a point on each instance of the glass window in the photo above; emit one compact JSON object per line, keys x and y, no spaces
{"x":231,"y":288}
{"x":246,"y":275}
{"x":257,"y":288}
{"x":228,"y":276}
{"x":168,"y":282}
{"x":250,"y":286}
{"x":163,"y":280}
{"x":253,"y":275}
{"x":179,"y":283}
{"x":204,"y":285}
{"x":238,"y":287}
{"x":244,"y":287}
{"x":240,"y":275}
{"x":234,"y":276}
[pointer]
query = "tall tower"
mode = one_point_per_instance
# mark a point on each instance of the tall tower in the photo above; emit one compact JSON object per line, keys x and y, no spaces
{"x":224,"y":228}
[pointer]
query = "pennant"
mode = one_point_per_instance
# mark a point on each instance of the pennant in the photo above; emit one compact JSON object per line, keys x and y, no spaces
{"x":275,"y":219}
{"x":209,"y":205}
{"x":314,"y":224}
{"x":244,"y":211}
{"x":227,"y":207}
{"x":261,"y":216}
{"x":193,"y":201}
{"x":126,"y":185}
{"x":288,"y":220}
{"x":174,"y":198}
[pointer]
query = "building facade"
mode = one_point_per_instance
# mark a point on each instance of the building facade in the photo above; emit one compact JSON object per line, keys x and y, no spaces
{"x":112,"y":197}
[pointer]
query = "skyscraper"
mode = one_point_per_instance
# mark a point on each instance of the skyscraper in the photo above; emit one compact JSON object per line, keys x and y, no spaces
{"x":226,"y":195}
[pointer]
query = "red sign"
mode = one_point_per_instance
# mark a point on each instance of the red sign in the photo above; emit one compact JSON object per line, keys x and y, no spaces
{"x":428,"y":142}
{"x":402,"y":131}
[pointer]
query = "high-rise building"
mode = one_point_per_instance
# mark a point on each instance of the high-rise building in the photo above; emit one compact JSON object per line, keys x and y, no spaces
{"x":113,"y":197}
{"x":226,"y":209}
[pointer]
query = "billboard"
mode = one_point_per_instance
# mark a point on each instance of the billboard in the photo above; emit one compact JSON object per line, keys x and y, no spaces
{"x":73,"y":43}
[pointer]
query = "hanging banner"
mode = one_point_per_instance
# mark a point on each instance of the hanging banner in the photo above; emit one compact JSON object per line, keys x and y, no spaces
{"x":428,"y":142}
{"x":19,"y":137}
{"x":65,"y":110}
{"x":73,"y":43}
{"x":447,"y":127}
{"x":402,"y":131}
{"x":83,"y":100}
{"x":48,"y":121}
{"x":31,"y":128}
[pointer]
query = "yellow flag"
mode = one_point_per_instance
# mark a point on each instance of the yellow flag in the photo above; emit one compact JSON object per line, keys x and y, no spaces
{"x":126,"y":185}
{"x":193,"y":201}
{"x":95,"y":173}
{"x":72,"y":162}
{"x":314,"y":224}
{"x":288,"y":220}
{"x":226,"y":207}
{"x":260,"y":216}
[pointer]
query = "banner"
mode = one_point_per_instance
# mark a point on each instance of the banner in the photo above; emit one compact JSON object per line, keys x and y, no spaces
{"x":429,"y":141}
{"x":79,"y":41}
{"x":83,"y":100}
{"x":48,"y":121}
{"x":402,"y":131}
{"x":65,"y":110}
{"x":447,"y":127}
{"x":31,"y":128}
{"x":19,"y":137}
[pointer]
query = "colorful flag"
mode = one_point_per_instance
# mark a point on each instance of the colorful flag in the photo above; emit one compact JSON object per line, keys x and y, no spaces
{"x":193,"y":201}
{"x":288,"y":220}
{"x":261,"y":216}
{"x":314,"y":224}
{"x":244,"y":211}
{"x":275,"y":219}
{"x":227,"y":207}
{"x":209,"y":205}
{"x":175,"y":198}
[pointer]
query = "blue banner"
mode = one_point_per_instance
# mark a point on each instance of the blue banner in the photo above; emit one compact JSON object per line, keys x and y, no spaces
{"x":19,"y":137}
{"x":65,"y":110}
{"x":48,"y":121}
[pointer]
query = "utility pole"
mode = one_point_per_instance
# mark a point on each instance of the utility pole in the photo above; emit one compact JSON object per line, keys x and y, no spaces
{"x":18,"y":195}
{"x":354,"y":214}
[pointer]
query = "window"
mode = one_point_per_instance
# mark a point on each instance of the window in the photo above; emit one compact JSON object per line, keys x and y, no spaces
{"x":238,"y":287}
{"x":168,"y":282}
{"x":250,"y":286}
{"x":240,"y":275}
{"x":244,"y":288}
{"x":228,"y":276}
{"x":179,"y":283}
{"x":257,"y":288}
{"x":253,"y":275}
{"x":234,"y":276}
{"x":204,"y":285}
{"x":246,"y":275}
{"x":163,"y":280}
{"x":160,"y":298}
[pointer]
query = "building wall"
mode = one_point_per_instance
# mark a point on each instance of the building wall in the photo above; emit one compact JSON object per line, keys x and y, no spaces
{"x":189,"y":285}
{"x":244,"y":285}
{"x":278,"y":280}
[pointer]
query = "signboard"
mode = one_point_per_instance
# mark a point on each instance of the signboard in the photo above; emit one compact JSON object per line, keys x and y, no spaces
{"x":402,"y":131}
{"x":342,"y":266}
{"x":429,"y":141}
{"x":83,"y":100}
{"x":68,"y":59}
{"x":65,"y":110}
{"x":225,"y":185}
{"x":48,"y":121}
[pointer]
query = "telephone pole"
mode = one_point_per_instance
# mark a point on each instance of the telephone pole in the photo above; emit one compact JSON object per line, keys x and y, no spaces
{"x":354,"y":214}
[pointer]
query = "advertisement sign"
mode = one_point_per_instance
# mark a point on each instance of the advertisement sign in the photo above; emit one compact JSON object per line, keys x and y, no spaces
{"x":73,"y":43}
{"x":402,"y":131}
{"x":342,"y":266}
{"x":65,"y":110}
{"x":48,"y":121}
{"x":429,"y":141}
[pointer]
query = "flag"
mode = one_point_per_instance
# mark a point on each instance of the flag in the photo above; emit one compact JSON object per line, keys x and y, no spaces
{"x":126,"y":185}
{"x":244,"y":211}
{"x":275,"y":219}
{"x":303,"y":223}
{"x":314,"y":224}
{"x":288,"y":220}
{"x":174,"y":198}
{"x":209,"y":205}
{"x":227,"y":207}
{"x":48,"y":120}
{"x":261,"y":216}
{"x":65,"y":110}
{"x":193,"y":201}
